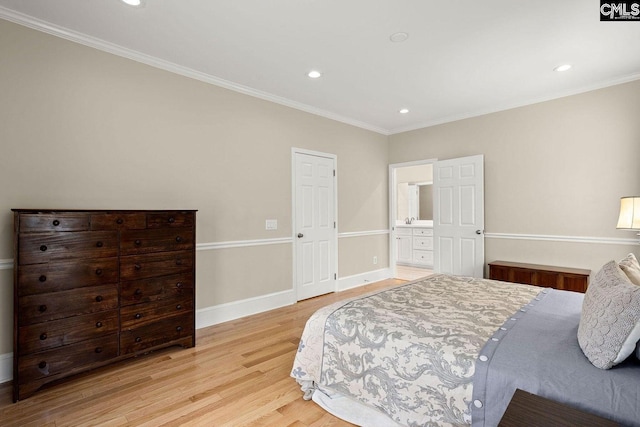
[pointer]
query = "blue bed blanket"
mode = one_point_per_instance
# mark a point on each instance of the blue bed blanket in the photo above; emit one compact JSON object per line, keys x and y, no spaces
{"x":537,"y":350}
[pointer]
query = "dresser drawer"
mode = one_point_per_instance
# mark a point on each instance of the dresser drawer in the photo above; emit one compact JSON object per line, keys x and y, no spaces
{"x":155,"y":265}
{"x":170,"y":219}
{"x":44,"y":247}
{"x":423,"y":231}
{"x":132,"y":316}
{"x":147,"y":241}
{"x":423,"y":243}
{"x":118,"y":221}
{"x":67,"y":359}
{"x":54,"y":222}
{"x":58,"y":305}
{"x":423,"y":257}
{"x":153,"y":334}
{"x":58,"y":333}
{"x":156,"y":289}
{"x":52,"y":277}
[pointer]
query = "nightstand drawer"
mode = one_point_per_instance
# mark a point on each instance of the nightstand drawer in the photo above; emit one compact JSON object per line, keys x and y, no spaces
{"x":527,"y":409}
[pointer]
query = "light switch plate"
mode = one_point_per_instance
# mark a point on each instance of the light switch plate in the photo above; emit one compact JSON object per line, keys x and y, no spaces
{"x":271,"y":224}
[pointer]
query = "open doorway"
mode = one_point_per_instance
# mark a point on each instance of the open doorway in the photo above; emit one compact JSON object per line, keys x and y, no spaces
{"x":411,"y":219}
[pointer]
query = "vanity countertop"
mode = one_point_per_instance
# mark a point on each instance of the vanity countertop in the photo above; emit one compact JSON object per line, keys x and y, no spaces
{"x":423,"y":224}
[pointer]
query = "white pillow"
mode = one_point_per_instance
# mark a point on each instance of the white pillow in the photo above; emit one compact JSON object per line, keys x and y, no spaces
{"x":609,"y":326}
{"x":631,"y":268}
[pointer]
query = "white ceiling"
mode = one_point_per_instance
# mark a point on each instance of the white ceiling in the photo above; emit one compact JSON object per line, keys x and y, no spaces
{"x":462,"y":58}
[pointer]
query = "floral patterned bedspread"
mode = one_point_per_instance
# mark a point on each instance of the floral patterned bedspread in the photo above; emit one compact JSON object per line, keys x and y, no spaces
{"x":408,"y":351}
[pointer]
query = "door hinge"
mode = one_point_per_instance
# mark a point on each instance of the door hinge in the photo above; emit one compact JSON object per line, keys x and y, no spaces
{"x":334,"y":172}
{"x":334,"y":224}
{"x":335,"y":276}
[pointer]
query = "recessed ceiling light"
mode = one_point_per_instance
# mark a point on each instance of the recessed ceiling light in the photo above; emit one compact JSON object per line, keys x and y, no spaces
{"x":132,"y":2}
{"x":563,"y":67}
{"x":398,"y":37}
{"x":403,"y":111}
{"x":314,"y":74}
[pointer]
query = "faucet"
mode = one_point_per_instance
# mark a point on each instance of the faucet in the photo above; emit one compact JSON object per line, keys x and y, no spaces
{"x":407,"y":220}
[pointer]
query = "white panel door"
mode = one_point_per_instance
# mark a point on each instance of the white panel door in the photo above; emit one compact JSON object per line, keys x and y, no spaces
{"x":315,"y":228}
{"x":458,"y":216}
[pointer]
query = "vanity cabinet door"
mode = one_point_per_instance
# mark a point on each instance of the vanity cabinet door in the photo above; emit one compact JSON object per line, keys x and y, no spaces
{"x":404,"y":248}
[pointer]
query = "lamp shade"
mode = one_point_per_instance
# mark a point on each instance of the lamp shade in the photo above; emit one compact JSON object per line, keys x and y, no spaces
{"x":629,"y":213}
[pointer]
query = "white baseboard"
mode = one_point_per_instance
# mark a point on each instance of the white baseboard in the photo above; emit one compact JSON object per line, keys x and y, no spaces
{"x":234,"y":310}
{"x":361,"y":279}
{"x":6,"y":367}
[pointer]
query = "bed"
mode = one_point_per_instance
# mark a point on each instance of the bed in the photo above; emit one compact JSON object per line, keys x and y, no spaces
{"x":450,"y":350}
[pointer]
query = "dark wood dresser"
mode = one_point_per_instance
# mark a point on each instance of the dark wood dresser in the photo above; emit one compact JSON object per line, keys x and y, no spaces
{"x":568,"y":279}
{"x":95,"y":287}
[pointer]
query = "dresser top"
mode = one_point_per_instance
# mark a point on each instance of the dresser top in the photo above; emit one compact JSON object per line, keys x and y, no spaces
{"x":39,"y":211}
{"x":552,"y":268}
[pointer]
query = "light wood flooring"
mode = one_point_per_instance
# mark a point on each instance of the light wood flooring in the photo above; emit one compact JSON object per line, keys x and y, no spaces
{"x":237,"y":375}
{"x":406,"y":272}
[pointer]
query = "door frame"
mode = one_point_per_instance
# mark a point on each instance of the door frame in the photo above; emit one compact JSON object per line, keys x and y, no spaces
{"x":393,"y":207}
{"x":294,"y":238}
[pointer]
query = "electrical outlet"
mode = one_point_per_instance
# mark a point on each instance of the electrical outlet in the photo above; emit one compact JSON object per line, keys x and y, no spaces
{"x":375,"y":260}
{"x":271,"y":224}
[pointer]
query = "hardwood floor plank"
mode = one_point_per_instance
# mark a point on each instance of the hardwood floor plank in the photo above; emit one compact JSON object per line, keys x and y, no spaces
{"x":237,"y":375}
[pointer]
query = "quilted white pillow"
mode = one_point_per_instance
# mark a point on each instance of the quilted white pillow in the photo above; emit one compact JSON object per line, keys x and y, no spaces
{"x":631,"y":268}
{"x":609,"y":327}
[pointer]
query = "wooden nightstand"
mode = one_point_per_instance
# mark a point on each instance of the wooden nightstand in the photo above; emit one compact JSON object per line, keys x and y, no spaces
{"x":568,"y":279}
{"x":526,"y":409}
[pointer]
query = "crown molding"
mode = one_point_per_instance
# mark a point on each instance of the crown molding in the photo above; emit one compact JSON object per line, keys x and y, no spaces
{"x":505,"y":107}
{"x":105,"y":46}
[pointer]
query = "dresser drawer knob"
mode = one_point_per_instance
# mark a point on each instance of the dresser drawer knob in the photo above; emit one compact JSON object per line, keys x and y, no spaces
{"x":138,"y":242}
{"x":179,"y":307}
{"x":179,"y":329}
{"x":43,"y":337}
{"x":178,"y":239}
{"x":119,"y":221}
{"x":171,"y":220}
{"x":42,"y":278}
{"x":98,"y":350}
{"x":98,"y":271}
{"x":99,"y":244}
{"x":42,"y":365}
{"x":138,"y":292}
{"x":178,"y":262}
{"x":137,"y":266}
{"x":98,"y":324}
{"x":179,"y":285}
{"x":43,"y":248}
{"x":99,"y":298}
{"x":138,"y":316}
{"x":42,"y":308}
{"x":138,"y":339}
{"x":56,"y":223}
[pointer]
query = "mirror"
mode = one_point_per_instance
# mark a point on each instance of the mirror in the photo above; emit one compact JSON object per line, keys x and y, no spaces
{"x":415,"y":193}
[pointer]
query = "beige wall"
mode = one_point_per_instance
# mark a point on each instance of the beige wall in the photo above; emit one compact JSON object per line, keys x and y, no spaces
{"x":85,"y":129}
{"x":88,"y":130}
{"x":555,"y":168}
